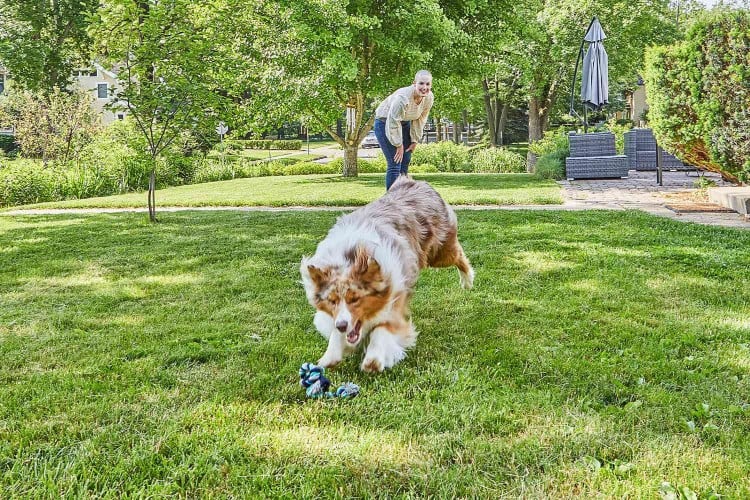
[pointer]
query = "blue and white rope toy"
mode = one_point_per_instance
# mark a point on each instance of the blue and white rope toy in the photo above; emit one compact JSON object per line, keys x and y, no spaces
{"x":312,"y":378}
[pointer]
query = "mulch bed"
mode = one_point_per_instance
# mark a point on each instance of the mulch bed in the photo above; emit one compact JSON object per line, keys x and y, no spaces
{"x":697,"y":207}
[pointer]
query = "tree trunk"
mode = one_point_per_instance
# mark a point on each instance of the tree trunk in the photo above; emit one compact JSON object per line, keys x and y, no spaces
{"x":438,"y":129}
{"x":152,"y":194}
{"x":490,"y":111}
{"x":456,"y":133}
{"x":538,"y":122}
{"x":350,"y":161}
{"x":501,"y":125}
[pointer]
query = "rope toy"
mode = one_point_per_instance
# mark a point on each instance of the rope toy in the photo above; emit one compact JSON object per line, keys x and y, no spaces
{"x":312,"y":378}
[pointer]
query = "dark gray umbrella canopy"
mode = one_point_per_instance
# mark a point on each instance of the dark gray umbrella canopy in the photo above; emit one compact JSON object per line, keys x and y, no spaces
{"x":595,"y":84}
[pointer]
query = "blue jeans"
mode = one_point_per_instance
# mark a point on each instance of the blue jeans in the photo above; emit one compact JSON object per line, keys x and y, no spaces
{"x":394,"y":169}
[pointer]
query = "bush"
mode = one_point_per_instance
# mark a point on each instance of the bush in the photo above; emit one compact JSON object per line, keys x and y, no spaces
{"x":287,"y":144}
{"x":553,"y":141}
{"x":27,"y":181}
{"x":446,"y":156}
{"x":56,"y":126}
{"x":698,"y":94}
{"x":497,"y":160}
{"x":618,"y":128}
{"x":265,"y":144}
{"x":551,"y":166}
{"x":8,"y":144}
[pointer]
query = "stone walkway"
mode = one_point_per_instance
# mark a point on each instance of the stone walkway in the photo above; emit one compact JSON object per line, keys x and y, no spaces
{"x":639,"y":191}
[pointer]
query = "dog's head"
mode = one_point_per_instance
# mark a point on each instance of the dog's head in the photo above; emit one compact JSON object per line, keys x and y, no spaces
{"x":352,"y":292}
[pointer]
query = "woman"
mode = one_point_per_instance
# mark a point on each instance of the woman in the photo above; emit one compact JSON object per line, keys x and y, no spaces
{"x":399,"y":121}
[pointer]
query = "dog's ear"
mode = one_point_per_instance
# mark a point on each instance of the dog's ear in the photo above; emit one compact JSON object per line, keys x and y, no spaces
{"x":318,"y":276}
{"x":365,"y":266}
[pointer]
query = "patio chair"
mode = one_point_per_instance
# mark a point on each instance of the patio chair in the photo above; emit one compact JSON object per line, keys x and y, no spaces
{"x":593,"y":156}
{"x":640,"y":148}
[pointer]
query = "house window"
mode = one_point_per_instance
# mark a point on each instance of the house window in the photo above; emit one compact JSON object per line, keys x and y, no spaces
{"x":120,"y":116}
{"x":92,"y":72}
{"x":101,"y":90}
{"x":2,"y":82}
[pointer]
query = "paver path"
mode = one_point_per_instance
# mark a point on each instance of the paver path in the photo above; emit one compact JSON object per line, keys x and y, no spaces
{"x":641,"y":192}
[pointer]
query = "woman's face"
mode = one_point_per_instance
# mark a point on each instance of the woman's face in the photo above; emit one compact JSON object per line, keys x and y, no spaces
{"x":423,"y":84}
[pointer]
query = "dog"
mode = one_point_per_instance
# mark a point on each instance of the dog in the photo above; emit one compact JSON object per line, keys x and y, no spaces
{"x":361,"y":278}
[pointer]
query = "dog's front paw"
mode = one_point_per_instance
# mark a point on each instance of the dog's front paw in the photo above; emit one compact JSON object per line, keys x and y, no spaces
{"x":372,"y":365}
{"x":382,"y":356}
{"x":328,"y":361}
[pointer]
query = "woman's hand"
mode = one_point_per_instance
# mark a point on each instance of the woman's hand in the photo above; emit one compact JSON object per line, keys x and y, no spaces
{"x":411,"y":147}
{"x":399,"y":154}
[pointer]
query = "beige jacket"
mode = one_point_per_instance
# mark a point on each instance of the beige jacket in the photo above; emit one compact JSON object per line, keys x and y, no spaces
{"x":400,"y":106}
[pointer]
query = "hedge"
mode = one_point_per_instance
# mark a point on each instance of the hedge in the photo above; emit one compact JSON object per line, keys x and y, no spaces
{"x":699,"y":96}
{"x":239,"y":144}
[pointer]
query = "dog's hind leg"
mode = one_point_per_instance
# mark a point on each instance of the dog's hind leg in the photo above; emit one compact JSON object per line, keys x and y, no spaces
{"x":452,"y":254}
{"x":388,"y":344}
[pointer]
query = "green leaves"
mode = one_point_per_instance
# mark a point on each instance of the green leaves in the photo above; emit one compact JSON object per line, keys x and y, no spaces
{"x":698,"y":103}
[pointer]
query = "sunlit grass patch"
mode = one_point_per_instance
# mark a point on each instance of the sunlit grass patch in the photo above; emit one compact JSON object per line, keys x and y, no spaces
{"x":600,"y":354}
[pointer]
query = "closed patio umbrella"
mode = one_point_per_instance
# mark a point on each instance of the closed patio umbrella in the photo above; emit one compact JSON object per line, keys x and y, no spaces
{"x":594,"y":76}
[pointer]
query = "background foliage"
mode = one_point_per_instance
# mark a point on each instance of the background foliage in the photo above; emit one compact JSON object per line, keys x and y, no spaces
{"x":699,"y":94}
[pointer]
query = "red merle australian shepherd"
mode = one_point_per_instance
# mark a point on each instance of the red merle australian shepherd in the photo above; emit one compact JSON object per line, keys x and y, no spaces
{"x":363,"y":273}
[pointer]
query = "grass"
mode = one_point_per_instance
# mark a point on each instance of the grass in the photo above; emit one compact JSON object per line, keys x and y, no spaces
{"x":600,"y":354}
{"x":334,"y":190}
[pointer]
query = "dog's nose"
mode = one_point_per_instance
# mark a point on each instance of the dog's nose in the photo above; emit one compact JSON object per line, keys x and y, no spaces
{"x":341,"y":326}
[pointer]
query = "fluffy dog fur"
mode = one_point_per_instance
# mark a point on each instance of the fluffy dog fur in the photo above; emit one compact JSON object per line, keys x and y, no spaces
{"x":363,"y":273}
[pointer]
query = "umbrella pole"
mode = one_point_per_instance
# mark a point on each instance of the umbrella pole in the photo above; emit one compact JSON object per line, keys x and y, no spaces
{"x":585,"y":120}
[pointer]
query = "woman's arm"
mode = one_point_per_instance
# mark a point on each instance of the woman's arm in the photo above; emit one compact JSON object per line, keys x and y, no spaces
{"x":417,"y":126}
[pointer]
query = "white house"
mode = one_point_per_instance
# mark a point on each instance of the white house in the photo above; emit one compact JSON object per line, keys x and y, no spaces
{"x":101,"y":83}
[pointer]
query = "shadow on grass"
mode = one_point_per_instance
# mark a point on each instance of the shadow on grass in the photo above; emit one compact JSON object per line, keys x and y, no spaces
{"x":594,"y":334}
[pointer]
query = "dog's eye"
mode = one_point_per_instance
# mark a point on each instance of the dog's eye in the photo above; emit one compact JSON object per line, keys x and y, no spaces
{"x":352,"y":300}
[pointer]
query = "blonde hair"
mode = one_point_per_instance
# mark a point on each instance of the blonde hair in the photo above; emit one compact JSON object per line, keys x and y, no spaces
{"x":422,"y":72}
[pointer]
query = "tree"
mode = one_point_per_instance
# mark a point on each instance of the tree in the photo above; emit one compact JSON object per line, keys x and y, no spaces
{"x":55,"y":126}
{"x":324,"y":60}
{"x":483,"y":57}
{"x":43,"y":41}
{"x":552,"y":36}
{"x":699,"y":97}
{"x":170,"y":69}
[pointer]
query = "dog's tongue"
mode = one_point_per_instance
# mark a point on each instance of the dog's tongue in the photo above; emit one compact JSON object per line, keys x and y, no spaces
{"x":353,"y":335}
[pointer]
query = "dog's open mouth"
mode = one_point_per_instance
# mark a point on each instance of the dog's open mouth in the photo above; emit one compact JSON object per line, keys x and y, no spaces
{"x":352,"y":335}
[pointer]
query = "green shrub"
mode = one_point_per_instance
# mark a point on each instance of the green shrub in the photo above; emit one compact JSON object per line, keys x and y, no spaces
{"x":286,"y":144}
{"x":497,"y":160}
{"x":8,"y":144}
{"x":267,"y":144}
{"x":28,"y":181}
{"x":553,"y":141}
{"x":309,"y":167}
{"x":618,"y":128}
{"x":698,"y":94}
{"x":423,"y":168}
{"x":446,"y":156}
{"x":551,"y":166}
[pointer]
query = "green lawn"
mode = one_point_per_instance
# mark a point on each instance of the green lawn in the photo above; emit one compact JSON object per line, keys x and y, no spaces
{"x":600,"y":354}
{"x":334,"y":190}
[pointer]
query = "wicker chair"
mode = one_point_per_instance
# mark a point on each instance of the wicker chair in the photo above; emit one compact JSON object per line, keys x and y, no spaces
{"x":593,"y":156}
{"x":640,"y":148}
